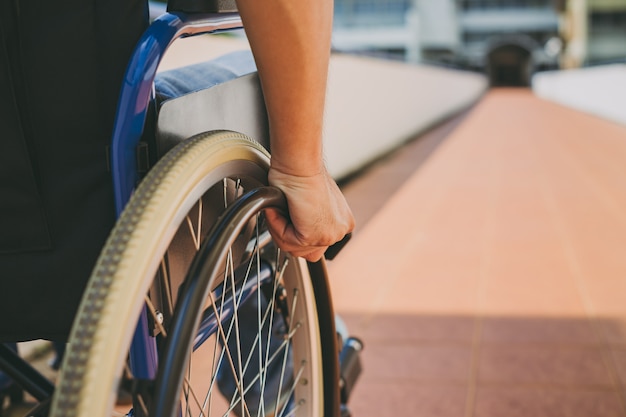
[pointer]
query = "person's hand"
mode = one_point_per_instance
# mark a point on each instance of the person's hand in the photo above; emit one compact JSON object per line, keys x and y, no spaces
{"x":318,"y":216}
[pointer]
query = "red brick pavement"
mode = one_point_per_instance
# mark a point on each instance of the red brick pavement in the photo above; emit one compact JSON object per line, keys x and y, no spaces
{"x":492,"y":281}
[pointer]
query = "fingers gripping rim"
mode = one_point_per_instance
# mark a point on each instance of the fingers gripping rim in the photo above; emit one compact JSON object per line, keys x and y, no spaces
{"x":114,"y":296}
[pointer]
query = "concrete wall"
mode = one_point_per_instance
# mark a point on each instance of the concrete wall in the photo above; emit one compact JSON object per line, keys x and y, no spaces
{"x":375,"y":106}
{"x":597,"y":90}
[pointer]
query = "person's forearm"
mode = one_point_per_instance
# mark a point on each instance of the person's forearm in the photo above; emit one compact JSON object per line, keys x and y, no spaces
{"x":291,"y":43}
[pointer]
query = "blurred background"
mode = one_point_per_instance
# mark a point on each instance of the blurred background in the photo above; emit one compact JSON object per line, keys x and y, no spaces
{"x":509,"y":40}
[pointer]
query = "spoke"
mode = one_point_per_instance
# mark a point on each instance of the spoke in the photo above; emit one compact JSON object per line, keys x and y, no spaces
{"x":142,"y":404}
{"x":128,"y":375}
{"x":238,"y":188}
{"x":165,"y":278}
{"x":295,"y":408}
{"x":219,"y":361}
{"x":271,"y":309}
{"x":157,"y":321}
{"x":228,"y":355}
{"x":225,"y":191}
{"x":256,"y":340}
{"x":230,"y":267}
{"x":188,"y":389}
{"x":195,"y":398}
{"x":208,"y":397}
{"x":196,"y":243}
{"x":262,"y":240}
{"x":236,"y":321}
{"x":216,"y":365}
{"x":263,"y":321}
{"x":261,"y":408}
{"x":235,"y":309}
{"x":235,"y":306}
{"x":127,"y":372}
{"x":196,"y":233}
{"x":284,"y":364}
{"x":282,"y":347}
{"x":200,"y":207}
{"x":293,"y":388}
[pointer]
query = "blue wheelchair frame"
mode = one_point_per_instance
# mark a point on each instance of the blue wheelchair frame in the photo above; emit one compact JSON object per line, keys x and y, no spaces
{"x":135,"y":96}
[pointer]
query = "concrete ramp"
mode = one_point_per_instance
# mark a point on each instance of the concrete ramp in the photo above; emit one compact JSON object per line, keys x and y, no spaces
{"x":597,"y":90}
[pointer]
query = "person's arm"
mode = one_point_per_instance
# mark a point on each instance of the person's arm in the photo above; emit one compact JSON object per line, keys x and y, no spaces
{"x":290,"y":40}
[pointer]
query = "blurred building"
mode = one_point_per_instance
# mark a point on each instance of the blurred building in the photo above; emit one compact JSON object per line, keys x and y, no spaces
{"x":594,"y":32}
{"x":385,"y":26}
{"x":507,"y":39}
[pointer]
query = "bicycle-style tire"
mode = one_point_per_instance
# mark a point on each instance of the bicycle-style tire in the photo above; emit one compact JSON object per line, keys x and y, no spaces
{"x":132,"y":259}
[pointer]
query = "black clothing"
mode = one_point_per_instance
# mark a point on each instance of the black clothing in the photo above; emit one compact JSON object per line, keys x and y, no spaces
{"x":61,"y":66}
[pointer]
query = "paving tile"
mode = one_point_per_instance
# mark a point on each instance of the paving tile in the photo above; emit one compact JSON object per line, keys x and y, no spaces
{"x":406,"y":399}
{"x":541,"y":402}
{"x":618,"y":357}
{"x":419,"y":328}
{"x":546,"y":330}
{"x":613,"y":330}
{"x":402,"y":277}
{"x":433,"y":363}
{"x":606,"y":296}
{"x":539,"y":294}
{"x":531,"y":364}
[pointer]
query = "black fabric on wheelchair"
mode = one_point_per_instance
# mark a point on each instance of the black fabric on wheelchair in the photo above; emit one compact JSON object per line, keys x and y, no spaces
{"x":40,"y":290}
{"x":61,"y":65}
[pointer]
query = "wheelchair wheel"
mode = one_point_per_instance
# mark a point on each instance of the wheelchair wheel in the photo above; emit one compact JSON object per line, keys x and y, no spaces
{"x":242,"y":329}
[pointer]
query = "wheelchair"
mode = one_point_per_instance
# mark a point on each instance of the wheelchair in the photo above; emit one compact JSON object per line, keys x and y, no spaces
{"x":191,"y":308}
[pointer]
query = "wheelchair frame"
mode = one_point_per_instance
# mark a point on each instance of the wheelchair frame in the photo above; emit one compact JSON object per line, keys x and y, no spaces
{"x":135,"y":97}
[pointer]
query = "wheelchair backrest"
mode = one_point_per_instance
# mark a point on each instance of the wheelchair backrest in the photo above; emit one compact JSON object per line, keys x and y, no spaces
{"x":222,"y":94}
